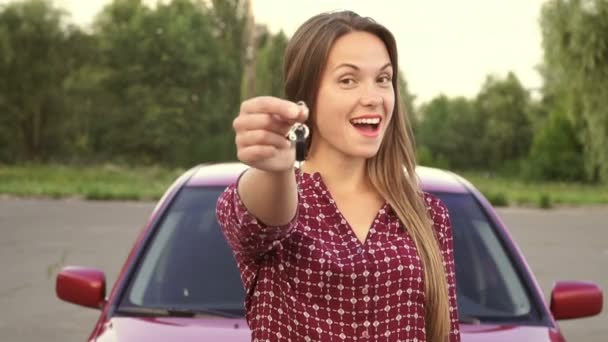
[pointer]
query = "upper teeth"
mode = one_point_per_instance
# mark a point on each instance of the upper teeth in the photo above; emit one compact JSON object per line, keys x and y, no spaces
{"x":373,"y":121}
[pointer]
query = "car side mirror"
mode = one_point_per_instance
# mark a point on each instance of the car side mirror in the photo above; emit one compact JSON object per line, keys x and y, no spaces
{"x":82,"y":286}
{"x":576,"y":299}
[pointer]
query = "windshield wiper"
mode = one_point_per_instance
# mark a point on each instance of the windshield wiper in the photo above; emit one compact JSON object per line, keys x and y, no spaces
{"x":466,"y":319}
{"x":142,"y":311}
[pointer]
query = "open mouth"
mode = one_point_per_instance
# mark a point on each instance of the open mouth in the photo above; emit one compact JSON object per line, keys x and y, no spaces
{"x":367,"y":126}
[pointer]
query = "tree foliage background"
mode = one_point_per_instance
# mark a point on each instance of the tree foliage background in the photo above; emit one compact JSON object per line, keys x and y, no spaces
{"x":575,"y":40}
{"x":161,"y":85}
{"x":145,"y":85}
{"x":562,"y":135}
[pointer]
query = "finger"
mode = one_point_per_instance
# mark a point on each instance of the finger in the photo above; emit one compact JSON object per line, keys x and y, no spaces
{"x":303,"y":114}
{"x":253,"y":154}
{"x":262,"y":138}
{"x":288,"y":122}
{"x":268,"y":104}
{"x":263,"y":121}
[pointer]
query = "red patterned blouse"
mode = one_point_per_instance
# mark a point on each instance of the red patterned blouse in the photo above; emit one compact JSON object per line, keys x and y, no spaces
{"x":313,"y":280}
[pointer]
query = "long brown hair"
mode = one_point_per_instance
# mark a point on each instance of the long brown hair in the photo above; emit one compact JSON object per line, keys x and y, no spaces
{"x":392,"y":170}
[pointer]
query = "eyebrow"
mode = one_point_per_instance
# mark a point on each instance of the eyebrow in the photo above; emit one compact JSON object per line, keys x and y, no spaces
{"x":357,"y":68}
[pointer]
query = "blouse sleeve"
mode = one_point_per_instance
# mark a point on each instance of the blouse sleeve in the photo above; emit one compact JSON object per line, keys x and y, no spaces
{"x":246,"y":235}
{"x":443,"y":226}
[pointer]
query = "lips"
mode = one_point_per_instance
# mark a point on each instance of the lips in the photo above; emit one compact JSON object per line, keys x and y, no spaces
{"x":367,"y":125}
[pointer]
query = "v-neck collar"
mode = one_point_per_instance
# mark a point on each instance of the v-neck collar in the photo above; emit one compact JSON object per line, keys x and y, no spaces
{"x":316,"y":176}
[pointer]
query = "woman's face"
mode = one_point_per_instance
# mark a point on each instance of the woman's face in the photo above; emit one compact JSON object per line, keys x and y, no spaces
{"x":356,"y":97}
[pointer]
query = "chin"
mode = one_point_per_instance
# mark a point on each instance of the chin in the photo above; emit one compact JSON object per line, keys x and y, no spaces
{"x":365,"y":153}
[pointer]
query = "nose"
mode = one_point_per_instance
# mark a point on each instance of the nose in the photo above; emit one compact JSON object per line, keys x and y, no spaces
{"x":371,"y":100}
{"x":370,"y":96}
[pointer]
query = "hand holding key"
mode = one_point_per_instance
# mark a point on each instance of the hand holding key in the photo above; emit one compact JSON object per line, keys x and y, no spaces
{"x":262,"y":129}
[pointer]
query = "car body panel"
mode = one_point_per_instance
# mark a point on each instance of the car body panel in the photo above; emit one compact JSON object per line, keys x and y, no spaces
{"x":224,"y":174}
{"x":122,"y":329}
{"x":508,"y":333}
{"x":157,"y":329}
{"x":114,"y":328}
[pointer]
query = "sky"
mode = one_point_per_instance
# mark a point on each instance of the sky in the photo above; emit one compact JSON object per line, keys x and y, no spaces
{"x":445,"y":46}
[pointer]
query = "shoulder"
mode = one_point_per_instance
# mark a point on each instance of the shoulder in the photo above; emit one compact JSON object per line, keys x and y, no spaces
{"x":435,"y":206}
{"x":440,"y":216}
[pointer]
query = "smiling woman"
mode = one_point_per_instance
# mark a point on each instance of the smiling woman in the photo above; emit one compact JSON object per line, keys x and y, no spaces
{"x":346,"y":246}
{"x":355,"y":86}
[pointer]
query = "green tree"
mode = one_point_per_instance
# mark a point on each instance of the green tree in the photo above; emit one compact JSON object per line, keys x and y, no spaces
{"x":556,"y":152}
{"x":407,"y":99}
{"x":492,"y":132}
{"x":229,"y":20}
{"x":444,"y":134}
{"x":85,"y":98}
{"x":269,"y":65}
{"x":576,"y":62}
{"x":171,"y":76}
{"x":35,"y":61}
{"x":503,"y":105}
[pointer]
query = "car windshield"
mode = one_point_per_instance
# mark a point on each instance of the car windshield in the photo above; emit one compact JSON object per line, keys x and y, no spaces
{"x":488,"y":285}
{"x":188,"y":264}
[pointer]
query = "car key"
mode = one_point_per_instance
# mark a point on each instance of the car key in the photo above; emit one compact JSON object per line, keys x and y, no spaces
{"x":298,"y":135}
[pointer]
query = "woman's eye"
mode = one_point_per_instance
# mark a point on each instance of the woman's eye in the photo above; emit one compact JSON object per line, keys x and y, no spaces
{"x":384,"y":79}
{"x":347,"y":81}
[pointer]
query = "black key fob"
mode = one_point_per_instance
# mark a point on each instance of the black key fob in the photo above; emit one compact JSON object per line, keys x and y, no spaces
{"x":298,"y":134}
{"x":301,"y":134}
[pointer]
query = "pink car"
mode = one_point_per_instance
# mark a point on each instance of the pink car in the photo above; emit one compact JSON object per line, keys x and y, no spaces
{"x":180,"y":281}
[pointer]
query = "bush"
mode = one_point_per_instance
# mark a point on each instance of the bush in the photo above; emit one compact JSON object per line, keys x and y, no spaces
{"x":544,"y":201}
{"x":498,"y":199}
{"x":426,"y":158}
{"x":556,"y":152}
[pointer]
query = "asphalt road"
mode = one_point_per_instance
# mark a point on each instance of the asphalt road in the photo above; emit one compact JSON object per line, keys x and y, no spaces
{"x":38,"y":237}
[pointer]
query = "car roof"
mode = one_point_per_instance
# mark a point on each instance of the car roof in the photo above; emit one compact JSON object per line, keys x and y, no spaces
{"x":224,"y":174}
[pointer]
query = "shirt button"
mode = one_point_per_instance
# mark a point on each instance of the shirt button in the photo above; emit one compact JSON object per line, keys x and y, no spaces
{"x":365,"y":334}
{"x":359,"y":250}
{"x":364,"y":291}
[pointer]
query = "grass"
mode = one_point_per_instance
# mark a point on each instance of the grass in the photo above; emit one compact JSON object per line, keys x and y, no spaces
{"x":101,"y":182}
{"x":113,"y":182}
{"x":503,"y":191}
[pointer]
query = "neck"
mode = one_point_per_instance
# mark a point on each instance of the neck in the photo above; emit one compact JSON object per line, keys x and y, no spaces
{"x":341,"y":174}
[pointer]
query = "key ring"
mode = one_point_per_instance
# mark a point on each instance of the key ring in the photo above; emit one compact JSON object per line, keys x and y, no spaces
{"x":296,"y":131}
{"x":298,"y":134}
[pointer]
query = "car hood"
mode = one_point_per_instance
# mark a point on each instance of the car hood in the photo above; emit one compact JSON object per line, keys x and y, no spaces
{"x":504,"y":333}
{"x":131,"y":329}
{"x":153,"y":329}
